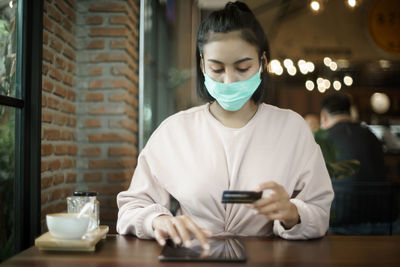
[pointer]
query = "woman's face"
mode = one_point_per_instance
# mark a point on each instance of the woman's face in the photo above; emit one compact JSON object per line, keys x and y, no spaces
{"x":228,"y":58}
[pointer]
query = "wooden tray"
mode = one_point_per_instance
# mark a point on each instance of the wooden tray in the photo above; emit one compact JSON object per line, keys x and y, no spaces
{"x":87,"y":243}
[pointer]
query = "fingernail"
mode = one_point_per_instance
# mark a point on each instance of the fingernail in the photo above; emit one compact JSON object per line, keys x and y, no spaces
{"x":162,"y":242}
{"x":206,"y":247}
{"x":188,"y":243}
{"x":177,"y":240}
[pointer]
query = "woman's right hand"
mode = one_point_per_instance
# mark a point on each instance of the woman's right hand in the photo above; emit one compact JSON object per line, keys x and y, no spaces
{"x":180,"y":229}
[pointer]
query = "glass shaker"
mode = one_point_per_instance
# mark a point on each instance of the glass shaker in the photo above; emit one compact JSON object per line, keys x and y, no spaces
{"x":78,"y":200}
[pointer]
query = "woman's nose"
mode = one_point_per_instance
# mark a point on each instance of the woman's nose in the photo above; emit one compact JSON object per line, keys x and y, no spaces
{"x":230,"y":77}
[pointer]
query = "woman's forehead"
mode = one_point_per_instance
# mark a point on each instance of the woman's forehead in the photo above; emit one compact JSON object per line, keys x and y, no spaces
{"x":228,"y":47}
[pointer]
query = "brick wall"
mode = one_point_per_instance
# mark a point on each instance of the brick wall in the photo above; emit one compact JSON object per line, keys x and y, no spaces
{"x":107,"y":86}
{"x":59,"y":136}
{"x":90,"y":101}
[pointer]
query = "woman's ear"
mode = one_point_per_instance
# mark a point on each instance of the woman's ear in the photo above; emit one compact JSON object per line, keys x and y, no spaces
{"x":264,"y":61}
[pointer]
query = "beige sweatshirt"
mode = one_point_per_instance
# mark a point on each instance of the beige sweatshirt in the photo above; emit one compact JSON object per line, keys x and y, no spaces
{"x":194,"y":157}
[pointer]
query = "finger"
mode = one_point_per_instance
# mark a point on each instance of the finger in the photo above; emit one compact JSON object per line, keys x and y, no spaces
{"x":271,"y":208}
{"x":198,"y":233}
{"x":159,"y":237}
{"x":182,"y":231}
{"x":206,"y":232}
{"x":172,"y":232}
{"x":267,"y":185}
{"x":263,"y":201}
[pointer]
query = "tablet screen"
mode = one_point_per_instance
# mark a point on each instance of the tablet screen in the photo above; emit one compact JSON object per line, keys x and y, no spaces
{"x":221,"y":249}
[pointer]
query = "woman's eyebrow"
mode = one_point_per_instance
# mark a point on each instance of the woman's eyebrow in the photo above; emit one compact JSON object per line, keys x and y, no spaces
{"x":236,"y":62}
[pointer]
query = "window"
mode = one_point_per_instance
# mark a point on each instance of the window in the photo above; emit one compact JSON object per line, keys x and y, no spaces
{"x":20,"y":107}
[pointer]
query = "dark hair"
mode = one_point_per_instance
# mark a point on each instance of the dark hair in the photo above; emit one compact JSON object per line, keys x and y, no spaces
{"x":234,"y":17}
{"x":336,"y":104}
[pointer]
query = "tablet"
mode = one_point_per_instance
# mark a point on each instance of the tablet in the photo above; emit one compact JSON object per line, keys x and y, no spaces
{"x":221,"y":249}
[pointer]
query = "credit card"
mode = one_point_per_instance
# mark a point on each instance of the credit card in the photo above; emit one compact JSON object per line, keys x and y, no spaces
{"x":230,"y":196}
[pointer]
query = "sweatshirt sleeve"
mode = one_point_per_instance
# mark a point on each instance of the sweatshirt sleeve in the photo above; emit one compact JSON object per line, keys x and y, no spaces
{"x":313,"y":201}
{"x":142,"y":202}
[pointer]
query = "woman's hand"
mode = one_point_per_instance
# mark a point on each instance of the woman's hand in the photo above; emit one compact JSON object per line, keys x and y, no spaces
{"x":180,"y":229}
{"x":277,"y":205}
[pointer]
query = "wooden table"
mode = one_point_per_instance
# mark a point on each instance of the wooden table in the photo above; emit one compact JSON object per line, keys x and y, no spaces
{"x":268,"y":251}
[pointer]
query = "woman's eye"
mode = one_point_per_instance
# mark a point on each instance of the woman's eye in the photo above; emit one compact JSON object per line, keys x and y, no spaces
{"x":243,"y":70}
{"x":217,"y":70}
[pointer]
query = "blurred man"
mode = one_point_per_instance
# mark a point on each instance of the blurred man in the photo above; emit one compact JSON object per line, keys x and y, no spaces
{"x":352,"y":140}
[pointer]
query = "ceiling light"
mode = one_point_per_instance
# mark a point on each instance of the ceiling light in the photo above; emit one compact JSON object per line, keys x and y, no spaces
{"x":309,"y":85}
{"x":315,"y":6}
{"x":348,"y":80}
{"x":337,"y":85}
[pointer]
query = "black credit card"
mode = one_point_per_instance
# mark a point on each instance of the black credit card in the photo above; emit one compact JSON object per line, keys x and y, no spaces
{"x":229,"y":196}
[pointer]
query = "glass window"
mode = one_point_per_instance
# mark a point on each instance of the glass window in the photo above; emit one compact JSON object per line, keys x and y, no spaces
{"x":8,"y":48}
{"x":7,"y":178}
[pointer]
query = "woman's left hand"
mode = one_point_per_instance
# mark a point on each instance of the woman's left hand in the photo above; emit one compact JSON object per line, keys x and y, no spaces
{"x":277,"y":205}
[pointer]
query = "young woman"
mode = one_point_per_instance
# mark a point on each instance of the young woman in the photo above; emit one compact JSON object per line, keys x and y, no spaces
{"x":234,"y":142}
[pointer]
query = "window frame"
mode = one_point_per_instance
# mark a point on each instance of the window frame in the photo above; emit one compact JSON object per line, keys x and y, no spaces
{"x":27,"y":104}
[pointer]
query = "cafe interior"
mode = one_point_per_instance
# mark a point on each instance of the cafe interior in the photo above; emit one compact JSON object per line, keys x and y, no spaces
{"x":84,"y":84}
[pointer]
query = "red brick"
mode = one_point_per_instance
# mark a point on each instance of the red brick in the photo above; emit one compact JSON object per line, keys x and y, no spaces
{"x":46,"y":182}
{"x":60,"y":91}
{"x":72,"y":150}
{"x":46,"y":117}
{"x":48,"y":24}
{"x":44,"y":166}
{"x":56,"y":44}
{"x":94,"y":97}
{"x":60,"y":63}
{"x":44,"y":100}
{"x":121,"y":151}
{"x":91,"y":151}
{"x":61,"y":150}
{"x":124,"y":123}
{"x":71,"y":121}
{"x":58,"y":179}
{"x":47,"y":85}
{"x":71,"y":95}
{"x":45,"y":37}
{"x":67,"y":163}
{"x":53,"y":103}
{"x":51,"y":134}
{"x":92,"y":177}
{"x":55,"y":74}
{"x":53,"y":13}
{"x":45,"y":68}
{"x":67,"y":107}
{"x":92,"y":123}
{"x":65,"y":9}
{"x":94,"y":20}
{"x":59,"y":119}
{"x":95,"y":71}
{"x":107,"y":189}
{"x":96,"y":44}
{"x":66,"y":23}
{"x":71,"y":178}
{"x":128,"y":162}
{"x":109,"y":57}
{"x":108,"y":32}
{"x":108,"y":7}
{"x":54,"y":164}
{"x":67,"y":135}
{"x":48,"y":55}
{"x":69,"y":80}
{"x":46,"y":149}
{"x":118,"y":177}
{"x":69,"y":53}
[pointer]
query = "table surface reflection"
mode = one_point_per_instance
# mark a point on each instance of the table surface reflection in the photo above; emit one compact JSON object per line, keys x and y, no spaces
{"x":332,"y":250}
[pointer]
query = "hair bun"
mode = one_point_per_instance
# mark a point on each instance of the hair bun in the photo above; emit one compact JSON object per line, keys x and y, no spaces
{"x":238,"y":5}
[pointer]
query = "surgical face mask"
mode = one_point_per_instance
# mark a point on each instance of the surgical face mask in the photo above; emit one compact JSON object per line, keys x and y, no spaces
{"x":232,"y":96}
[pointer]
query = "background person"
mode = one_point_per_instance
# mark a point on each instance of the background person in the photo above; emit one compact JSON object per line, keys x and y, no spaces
{"x":352,"y":140}
{"x":232,"y":142}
